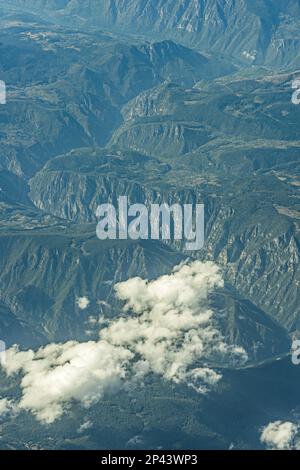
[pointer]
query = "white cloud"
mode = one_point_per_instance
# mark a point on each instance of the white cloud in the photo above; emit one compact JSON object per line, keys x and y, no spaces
{"x":82,"y":302}
{"x":98,"y":321}
{"x":57,"y":374}
{"x":166,"y":329}
{"x":279,"y":435}
{"x":85,"y":426}
{"x":251,"y":55}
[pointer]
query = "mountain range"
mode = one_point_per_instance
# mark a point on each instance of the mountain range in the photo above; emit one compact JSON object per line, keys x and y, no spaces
{"x":179,"y":101}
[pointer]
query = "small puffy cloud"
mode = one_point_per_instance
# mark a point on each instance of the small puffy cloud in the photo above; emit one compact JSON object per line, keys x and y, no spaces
{"x":166,"y":329}
{"x":250,"y":55}
{"x":85,"y":426}
{"x":89,"y":333}
{"x":94,"y":323}
{"x":279,"y":435}
{"x":92,"y":320}
{"x":82,"y":302}
{"x":98,"y":321}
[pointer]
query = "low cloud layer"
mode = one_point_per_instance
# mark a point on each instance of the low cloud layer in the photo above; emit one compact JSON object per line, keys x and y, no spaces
{"x":166,"y":329}
{"x":280,"y":435}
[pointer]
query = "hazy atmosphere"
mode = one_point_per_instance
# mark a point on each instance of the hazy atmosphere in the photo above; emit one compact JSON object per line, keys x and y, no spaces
{"x":149,"y":224}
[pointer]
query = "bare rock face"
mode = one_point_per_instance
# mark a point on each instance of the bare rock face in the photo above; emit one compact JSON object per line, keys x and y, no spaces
{"x":253,"y":32}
